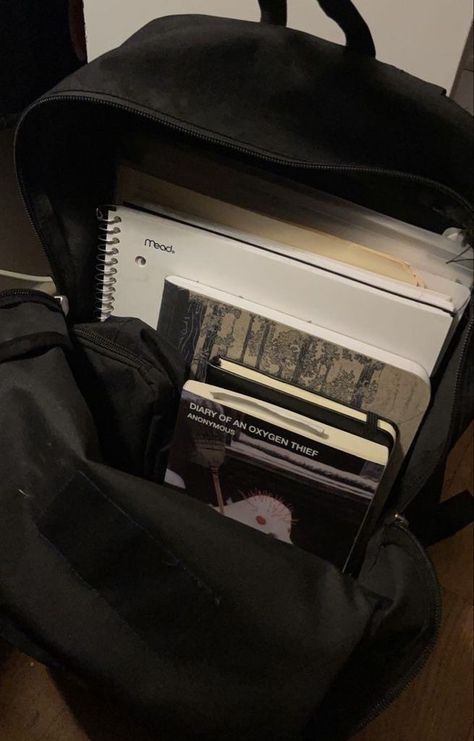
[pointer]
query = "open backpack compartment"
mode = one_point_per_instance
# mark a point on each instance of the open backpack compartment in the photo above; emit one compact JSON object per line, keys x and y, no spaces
{"x":204,"y":628}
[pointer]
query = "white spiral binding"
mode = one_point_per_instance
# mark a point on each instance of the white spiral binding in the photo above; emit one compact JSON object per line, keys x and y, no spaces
{"x":107,"y":260}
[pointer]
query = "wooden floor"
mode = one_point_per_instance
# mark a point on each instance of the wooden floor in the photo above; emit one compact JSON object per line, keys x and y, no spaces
{"x":436,"y":707}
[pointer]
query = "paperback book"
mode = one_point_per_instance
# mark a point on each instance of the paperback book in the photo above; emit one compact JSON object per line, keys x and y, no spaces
{"x":308,"y":485}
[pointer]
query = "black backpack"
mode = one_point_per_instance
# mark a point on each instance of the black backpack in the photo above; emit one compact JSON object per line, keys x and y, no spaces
{"x":197,"y":624}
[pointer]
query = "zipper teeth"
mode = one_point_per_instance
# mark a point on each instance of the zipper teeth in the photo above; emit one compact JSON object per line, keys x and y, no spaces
{"x":191,"y":130}
{"x":87,"y":334}
{"x":394,"y":692}
{"x":222,"y":142}
{"x":30,"y":293}
{"x":26,"y":292}
{"x":97,"y":339}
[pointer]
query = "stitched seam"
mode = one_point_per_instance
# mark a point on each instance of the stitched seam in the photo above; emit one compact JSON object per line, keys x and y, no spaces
{"x":164,"y":549}
{"x":143,"y":366}
{"x":106,"y":353}
{"x":98,"y":594}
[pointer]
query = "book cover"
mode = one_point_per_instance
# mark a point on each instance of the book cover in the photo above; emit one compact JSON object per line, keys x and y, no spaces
{"x":202,"y":328}
{"x":286,"y":485}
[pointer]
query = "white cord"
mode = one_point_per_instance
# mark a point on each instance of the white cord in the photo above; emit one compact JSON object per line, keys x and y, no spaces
{"x":25,"y":276}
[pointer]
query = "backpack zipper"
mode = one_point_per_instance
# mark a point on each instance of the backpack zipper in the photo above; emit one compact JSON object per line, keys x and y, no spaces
{"x":123,"y":352}
{"x":44,"y":298}
{"x":103,"y":342}
{"x":190,"y":130}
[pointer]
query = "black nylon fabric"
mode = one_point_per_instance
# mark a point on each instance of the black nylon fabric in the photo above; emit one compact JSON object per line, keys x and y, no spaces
{"x":132,"y":381}
{"x":226,"y":77}
{"x":385,"y":661}
{"x":189,"y":618}
{"x":343,"y":12}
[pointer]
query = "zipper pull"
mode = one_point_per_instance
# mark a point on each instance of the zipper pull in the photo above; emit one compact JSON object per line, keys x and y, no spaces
{"x":63,"y":301}
{"x":401,"y":521}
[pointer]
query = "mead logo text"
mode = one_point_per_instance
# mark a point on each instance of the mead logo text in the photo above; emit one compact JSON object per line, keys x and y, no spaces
{"x":158,"y":246}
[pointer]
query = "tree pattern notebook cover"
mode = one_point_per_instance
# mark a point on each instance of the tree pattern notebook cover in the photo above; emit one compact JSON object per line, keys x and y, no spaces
{"x":202,"y":328}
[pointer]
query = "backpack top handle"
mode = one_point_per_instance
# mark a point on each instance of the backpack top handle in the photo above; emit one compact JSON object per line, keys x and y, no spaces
{"x":343,"y":12}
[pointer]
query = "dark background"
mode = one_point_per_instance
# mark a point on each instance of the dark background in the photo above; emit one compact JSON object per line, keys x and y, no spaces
{"x":41,"y":41}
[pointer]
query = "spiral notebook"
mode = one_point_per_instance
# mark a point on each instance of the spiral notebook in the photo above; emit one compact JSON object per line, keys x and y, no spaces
{"x":138,"y":250}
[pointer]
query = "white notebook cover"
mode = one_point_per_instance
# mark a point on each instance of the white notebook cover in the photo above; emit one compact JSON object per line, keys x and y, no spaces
{"x":284,"y":198}
{"x":151,"y":247}
{"x":138,"y":189}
